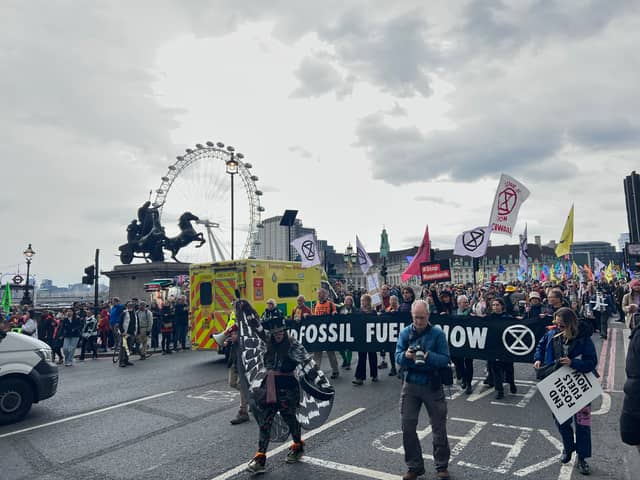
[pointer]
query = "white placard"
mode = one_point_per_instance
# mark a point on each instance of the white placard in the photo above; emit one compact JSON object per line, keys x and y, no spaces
{"x":566,"y":391}
{"x":372,"y":282}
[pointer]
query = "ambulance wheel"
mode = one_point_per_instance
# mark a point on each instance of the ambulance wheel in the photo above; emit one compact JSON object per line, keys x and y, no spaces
{"x":16,"y":397}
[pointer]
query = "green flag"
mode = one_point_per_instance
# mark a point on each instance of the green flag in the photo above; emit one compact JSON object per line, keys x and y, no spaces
{"x":6,"y":298}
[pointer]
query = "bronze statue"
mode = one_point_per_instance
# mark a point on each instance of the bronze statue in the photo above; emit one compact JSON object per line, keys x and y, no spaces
{"x":146,"y":236}
{"x":186,"y":236}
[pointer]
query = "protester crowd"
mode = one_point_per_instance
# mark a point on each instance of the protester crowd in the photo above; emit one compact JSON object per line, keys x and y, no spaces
{"x":572,"y":310}
{"x":91,"y":329}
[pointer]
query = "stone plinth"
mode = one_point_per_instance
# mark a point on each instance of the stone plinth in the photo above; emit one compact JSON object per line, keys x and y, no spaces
{"x":127,"y":281}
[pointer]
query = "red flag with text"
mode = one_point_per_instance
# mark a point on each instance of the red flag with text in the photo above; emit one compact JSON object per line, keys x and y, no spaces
{"x":423,"y":255}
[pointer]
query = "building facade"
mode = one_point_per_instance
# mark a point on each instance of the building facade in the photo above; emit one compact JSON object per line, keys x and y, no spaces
{"x":273,"y":239}
{"x":585,"y":253}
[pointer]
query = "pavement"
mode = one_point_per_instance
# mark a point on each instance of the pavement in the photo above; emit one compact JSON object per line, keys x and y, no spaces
{"x":168,"y":417}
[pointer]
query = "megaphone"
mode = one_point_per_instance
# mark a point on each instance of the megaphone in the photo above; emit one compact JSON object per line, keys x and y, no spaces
{"x":218,"y":338}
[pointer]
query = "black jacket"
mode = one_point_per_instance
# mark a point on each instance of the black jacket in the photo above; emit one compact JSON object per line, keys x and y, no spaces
{"x":630,"y":417}
{"x":71,"y":328}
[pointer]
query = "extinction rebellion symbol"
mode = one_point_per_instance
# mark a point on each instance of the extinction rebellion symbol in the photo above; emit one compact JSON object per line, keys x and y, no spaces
{"x":473,"y":239}
{"x":518,"y":339}
{"x":507,"y":200}
{"x":362,"y":257}
{"x":308,"y":250}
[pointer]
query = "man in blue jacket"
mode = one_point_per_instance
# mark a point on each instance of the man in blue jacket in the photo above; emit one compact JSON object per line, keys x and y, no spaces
{"x":422,"y":350}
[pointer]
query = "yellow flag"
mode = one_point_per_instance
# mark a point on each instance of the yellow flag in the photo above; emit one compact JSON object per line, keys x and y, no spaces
{"x":480,"y":276}
{"x":608,"y":272}
{"x":534,"y":272}
{"x":552,"y":274}
{"x":566,"y":240}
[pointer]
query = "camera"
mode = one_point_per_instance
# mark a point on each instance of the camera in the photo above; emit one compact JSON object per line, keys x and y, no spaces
{"x":419,"y":357}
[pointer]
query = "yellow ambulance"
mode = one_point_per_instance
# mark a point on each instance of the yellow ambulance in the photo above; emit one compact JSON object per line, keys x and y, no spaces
{"x":213,"y":285}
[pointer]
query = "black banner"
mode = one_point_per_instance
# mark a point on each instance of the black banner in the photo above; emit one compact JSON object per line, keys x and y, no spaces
{"x":488,"y":338}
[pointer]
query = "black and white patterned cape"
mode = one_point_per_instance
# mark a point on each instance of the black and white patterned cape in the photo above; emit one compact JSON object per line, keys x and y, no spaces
{"x":312,"y":412}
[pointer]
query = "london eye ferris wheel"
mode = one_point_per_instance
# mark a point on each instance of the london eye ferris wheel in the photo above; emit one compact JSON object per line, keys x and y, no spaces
{"x":203,"y":182}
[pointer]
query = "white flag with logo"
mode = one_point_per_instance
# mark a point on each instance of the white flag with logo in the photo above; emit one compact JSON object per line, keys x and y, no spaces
{"x":363,"y":257}
{"x":510,"y":196}
{"x":472,"y":243}
{"x":598,"y":265}
{"x":307,"y":249}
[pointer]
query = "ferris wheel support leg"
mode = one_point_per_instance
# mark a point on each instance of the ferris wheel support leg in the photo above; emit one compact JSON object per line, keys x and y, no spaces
{"x":217,"y":246}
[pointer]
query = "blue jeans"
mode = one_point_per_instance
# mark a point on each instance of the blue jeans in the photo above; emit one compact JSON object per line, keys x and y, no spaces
{"x":69,"y":348}
{"x":581,"y":444}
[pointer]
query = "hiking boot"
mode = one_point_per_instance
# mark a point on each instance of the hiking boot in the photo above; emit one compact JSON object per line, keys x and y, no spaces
{"x":393,"y":372}
{"x":469,"y":389}
{"x":583,"y":467}
{"x":241,"y":417}
{"x":374,"y":379}
{"x":335,"y":375}
{"x":499,"y":395}
{"x":256,"y":465}
{"x":357,"y":381}
{"x":296,"y":450}
{"x":382,"y":366}
{"x":412,"y":475}
{"x":513,"y":388}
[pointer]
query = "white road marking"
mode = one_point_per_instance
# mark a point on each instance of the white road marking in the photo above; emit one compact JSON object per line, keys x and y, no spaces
{"x":523,"y":472}
{"x":526,"y":398}
{"x":611,"y":376}
{"x":477,"y":396}
{"x":463,"y":440}
{"x":341,"y":467}
{"x":625,"y":337}
{"x":505,"y":466}
{"x":281,"y":448}
{"x":215,"y":395}
{"x":82,"y":415}
{"x":605,"y":406}
{"x":512,"y":455}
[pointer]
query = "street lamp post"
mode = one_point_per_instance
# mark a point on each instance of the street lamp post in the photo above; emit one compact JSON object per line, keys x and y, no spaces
{"x":28,"y":255}
{"x":350,"y":259}
{"x":232,"y":169}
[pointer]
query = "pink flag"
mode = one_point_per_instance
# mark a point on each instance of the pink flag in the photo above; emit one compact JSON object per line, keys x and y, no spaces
{"x":423,"y":255}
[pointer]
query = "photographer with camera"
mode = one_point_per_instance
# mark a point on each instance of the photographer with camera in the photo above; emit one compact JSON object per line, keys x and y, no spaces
{"x":422,"y":352}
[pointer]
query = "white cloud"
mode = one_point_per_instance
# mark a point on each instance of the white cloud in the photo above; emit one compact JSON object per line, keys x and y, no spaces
{"x":402,"y":114}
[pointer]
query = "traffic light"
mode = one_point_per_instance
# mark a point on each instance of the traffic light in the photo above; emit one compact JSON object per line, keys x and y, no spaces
{"x":383,"y":271}
{"x":90,"y":275}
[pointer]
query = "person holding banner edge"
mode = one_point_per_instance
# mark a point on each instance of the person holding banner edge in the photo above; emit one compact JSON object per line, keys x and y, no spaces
{"x":422,"y":350}
{"x":574,"y":348}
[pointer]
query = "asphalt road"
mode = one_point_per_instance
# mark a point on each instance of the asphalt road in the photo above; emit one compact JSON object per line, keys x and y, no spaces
{"x":168,"y":418}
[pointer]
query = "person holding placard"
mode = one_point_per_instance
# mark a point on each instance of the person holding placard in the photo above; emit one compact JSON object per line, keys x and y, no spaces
{"x":574,"y":348}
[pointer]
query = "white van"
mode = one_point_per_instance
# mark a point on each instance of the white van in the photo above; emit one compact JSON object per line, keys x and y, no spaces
{"x":27,"y":375}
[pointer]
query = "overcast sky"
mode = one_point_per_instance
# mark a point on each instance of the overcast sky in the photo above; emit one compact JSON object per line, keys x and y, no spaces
{"x":359,"y":114}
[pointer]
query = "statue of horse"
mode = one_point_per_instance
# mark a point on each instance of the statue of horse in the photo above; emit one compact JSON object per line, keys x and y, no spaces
{"x":146,"y":237}
{"x":186,"y":236}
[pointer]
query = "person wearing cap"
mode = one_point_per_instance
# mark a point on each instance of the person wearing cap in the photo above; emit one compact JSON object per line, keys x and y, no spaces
{"x":280,"y":390}
{"x":630,"y":302}
{"x":534,"y":309}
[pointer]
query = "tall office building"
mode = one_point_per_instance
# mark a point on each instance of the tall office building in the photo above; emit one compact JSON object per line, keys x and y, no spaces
{"x":632,"y":199}
{"x":274,"y":239}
